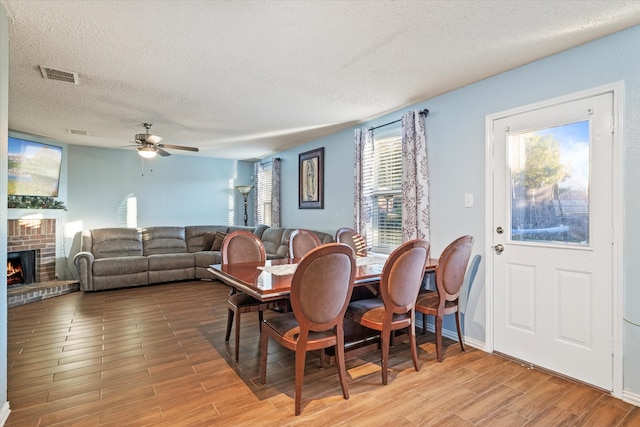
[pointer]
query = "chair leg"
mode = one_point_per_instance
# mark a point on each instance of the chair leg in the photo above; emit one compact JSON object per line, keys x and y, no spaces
{"x":384,"y":348}
{"x":260,"y":319}
{"x":237,"y":337}
{"x":414,"y":347}
{"x":424,"y":324}
{"x":301,"y":355}
{"x":229,"y":323}
{"x":439,"y":337}
{"x":342,"y":370}
{"x":264,"y":346}
{"x":459,"y":331}
{"x":322,"y":354}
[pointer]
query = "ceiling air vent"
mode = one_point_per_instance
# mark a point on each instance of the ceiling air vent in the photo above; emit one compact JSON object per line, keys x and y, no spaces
{"x":63,"y":76}
{"x":78,"y":132}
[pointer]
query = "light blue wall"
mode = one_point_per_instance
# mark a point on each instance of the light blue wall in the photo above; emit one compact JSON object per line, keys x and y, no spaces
{"x":338,"y":184}
{"x":456,"y":145}
{"x":175,"y":190}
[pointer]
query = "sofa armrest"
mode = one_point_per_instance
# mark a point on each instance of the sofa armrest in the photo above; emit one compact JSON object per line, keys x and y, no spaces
{"x":84,"y":263}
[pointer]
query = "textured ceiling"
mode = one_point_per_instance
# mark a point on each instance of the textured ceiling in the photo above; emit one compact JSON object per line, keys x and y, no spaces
{"x":246,"y":79}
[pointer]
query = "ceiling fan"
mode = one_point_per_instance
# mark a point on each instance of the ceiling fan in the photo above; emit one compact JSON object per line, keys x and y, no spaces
{"x":149,"y":145}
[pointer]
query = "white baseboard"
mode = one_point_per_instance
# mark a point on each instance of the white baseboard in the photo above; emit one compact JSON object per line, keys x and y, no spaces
{"x":632,"y":398}
{"x":472,"y":343}
{"x":4,"y":413}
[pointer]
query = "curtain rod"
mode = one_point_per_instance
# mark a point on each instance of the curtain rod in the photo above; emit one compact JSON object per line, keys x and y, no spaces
{"x":425,"y":112}
{"x":270,"y":161}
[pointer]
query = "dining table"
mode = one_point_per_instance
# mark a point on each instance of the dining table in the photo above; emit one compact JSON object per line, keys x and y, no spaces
{"x":271,"y":280}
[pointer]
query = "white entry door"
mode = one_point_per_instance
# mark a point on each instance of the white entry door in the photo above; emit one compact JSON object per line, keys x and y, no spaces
{"x":553,"y":237}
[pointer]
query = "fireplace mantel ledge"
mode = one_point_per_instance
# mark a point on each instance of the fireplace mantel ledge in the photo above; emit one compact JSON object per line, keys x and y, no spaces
{"x":36,"y":213}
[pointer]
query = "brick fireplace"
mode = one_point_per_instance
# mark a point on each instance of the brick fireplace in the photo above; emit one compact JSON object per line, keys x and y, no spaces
{"x":38,"y":235}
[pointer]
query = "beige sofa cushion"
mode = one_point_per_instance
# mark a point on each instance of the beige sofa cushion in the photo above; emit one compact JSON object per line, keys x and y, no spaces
{"x":115,"y":242}
{"x":120,"y":266}
{"x":159,"y":262}
{"x":272,"y":240}
{"x":164,"y":240}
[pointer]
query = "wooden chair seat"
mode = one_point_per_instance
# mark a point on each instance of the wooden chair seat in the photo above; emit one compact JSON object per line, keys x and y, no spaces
{"x":429,"y":302}
{"x":287,"y":328}
{"x":243,"y":303}
{"x":371,"y":313}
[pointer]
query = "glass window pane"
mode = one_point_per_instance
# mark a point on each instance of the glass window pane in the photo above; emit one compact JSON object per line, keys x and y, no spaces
{"x":387,"y":222}
{"x":382,"y":189}
{"x":264,"y":185}
{"x":549,"y":175}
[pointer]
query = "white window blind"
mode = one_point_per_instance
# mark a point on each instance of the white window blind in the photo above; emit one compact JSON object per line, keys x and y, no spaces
{"x":382,"y":182}
{"x":264,"y":194}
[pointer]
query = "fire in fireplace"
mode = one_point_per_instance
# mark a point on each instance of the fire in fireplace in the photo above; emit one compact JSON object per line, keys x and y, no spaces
{"x":21,"y":267}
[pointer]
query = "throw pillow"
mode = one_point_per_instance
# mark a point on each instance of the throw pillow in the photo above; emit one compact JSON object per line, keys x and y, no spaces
{"x":217,"y":243}
{"x":207,"y":241}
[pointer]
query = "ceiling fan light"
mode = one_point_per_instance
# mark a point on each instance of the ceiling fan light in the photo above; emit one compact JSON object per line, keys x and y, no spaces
{"x":147,"y":152}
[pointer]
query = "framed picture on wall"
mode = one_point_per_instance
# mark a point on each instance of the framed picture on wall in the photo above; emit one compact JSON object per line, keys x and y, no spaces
{"x":311,"y":179}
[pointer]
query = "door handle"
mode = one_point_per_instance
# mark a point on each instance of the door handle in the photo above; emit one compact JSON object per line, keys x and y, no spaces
{"x":498,"y":248}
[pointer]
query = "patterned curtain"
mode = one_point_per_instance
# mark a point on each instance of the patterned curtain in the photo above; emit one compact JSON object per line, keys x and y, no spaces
{"x":275,"y":193}
{"x":362,"y":203}
{"x":415,"y":178}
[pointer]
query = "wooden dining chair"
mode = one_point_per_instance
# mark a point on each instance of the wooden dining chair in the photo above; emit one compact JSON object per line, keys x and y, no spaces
{"x":238,"y":247}
{"x":352,"y":238}
{"x":320,"y":291}
{"x":450,"y":271}
{"x":301,"y":241}
{"x":394,"y":308}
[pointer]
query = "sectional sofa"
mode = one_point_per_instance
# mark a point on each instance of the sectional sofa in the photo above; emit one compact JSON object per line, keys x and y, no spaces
{"x":111,"y":258}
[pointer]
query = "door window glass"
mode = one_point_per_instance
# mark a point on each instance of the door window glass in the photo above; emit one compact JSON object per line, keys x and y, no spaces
{"x":549,"y":176}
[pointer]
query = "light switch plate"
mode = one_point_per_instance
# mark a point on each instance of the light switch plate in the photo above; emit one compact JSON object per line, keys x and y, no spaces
{"x":468,"y":200}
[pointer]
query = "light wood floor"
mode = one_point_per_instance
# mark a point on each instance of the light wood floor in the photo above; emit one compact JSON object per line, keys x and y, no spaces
{"x":156,"y":356}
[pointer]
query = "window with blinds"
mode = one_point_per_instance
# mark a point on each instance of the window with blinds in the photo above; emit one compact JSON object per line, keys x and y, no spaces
{"x":263,"y":206}
{"x":382,"y":182}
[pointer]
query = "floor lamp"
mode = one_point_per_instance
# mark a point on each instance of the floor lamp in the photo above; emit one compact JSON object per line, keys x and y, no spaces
{"x":244,"y":190}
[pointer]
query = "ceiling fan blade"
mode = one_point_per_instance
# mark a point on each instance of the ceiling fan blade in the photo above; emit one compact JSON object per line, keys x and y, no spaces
{"x":154,"y":139}
{"x":179,"y":147}
{"x":149,"y":144}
